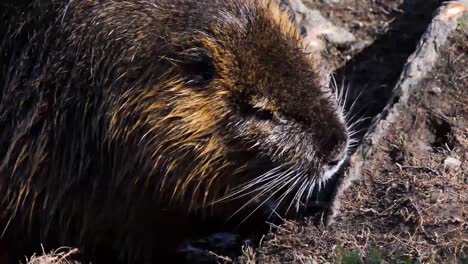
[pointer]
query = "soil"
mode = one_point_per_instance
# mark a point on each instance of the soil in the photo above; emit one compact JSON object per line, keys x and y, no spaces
{"x":411,"y":203}
{"x":366,"y":20}
{"x":393,"y":29}
{"x":387,"y":32}
{"x":374,"y":21}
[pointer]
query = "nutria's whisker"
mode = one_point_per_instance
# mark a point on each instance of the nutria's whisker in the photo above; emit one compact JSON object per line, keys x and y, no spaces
{"x":286,"y":193}
{"x":311,"y":188}
{"x":353,"y":142}
{"x":356,"y":122}
{"x":300,"y":194}
{"x":296,"y":197}
{"x":265,"y":200}
{"x":354,"y":132}
{"x":277,"y":180}
{"x":238,"y":191}
{"x":353,"y":104}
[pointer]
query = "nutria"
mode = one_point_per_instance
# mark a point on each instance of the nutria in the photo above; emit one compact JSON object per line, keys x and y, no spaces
{"x":116,"y":114}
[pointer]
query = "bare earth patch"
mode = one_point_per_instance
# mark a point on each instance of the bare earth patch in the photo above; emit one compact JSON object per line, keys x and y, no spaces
{"x":366,"y":20}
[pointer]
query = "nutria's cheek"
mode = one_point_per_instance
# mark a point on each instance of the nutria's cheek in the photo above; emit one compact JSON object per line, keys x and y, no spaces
{"x":178,"y":133}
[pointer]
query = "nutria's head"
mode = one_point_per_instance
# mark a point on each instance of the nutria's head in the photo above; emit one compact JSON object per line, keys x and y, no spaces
{"x":234,"y":100}
{"x":193,"y":100}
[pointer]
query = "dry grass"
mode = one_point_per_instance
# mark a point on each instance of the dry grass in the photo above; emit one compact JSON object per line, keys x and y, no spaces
{"x":59,"y":256}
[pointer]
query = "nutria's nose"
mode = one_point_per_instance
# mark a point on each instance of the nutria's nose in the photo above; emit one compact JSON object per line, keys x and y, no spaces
{"x":338,"y":144}
{"x":335,"y":160}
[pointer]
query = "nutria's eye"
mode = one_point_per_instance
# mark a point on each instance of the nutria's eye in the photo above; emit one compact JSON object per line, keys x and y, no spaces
{"x":259,"y":113}
{"x":262,"y":114}
{"x":199,"y":66}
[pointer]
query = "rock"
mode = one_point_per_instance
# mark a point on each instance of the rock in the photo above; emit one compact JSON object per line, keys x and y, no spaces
{"x":452,"y":163}
{"x":311,"y":261}
{"x":318,"y":25}
{"x":436,"y":90}
{"x":314,"y":26}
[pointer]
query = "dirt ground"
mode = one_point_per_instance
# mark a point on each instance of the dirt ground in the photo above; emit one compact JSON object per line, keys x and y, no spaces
{"x":388,"y":22}
{"x":367,"y":20}
{"x":411,"y":203}
{"x":387,"y":32}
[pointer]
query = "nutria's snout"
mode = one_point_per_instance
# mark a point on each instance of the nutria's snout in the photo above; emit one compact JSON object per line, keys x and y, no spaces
{"x":339,"y":147}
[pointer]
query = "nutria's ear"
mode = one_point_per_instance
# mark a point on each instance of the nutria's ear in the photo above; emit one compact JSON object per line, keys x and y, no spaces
{"x":199,"y":66}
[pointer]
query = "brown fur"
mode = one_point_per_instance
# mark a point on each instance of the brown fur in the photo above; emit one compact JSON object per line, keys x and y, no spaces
{"x":116,"y":113}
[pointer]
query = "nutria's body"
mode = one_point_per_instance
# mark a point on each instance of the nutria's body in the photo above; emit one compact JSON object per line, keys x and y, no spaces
{"x":116,"y":114}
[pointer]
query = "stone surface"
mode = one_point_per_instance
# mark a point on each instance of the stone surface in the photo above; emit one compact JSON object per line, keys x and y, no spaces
{"x":436,"y":90}
{"x":452,"y":163}
{"x":314,"y":27}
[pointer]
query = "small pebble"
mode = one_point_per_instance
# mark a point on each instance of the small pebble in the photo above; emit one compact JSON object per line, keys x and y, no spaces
{"x":359,"y":24}
{"x":452,"y":162}
{"x":436,"y":90}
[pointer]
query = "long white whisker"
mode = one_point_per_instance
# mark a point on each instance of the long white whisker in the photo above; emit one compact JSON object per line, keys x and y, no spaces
{"x":302,"y":192}
{"x":271,"y":174}
{"x":357,"y":122}
{"x":271,"y":186}
{"x":352,"y":133}
{"x":298,"y":195}
{"x":245,"y":192}
{"x":263,"y":188}
{"x":311,"y":188}
{"x":257,"y":196}
{"x":351,"y":108}
{"x":262,"y":203}
{"x":285,"y":194}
